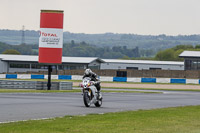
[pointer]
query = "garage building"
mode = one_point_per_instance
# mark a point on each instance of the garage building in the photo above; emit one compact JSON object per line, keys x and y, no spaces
{"x":141,"y":64}
{"x":25,"y":63}
{"x":191,"y":60}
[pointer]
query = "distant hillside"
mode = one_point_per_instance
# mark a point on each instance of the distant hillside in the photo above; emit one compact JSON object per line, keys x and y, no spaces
{"x":75,"y":49}
{"x":146,"y":42}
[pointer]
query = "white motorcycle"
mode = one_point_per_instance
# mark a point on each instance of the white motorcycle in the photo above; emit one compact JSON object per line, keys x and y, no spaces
{"x":90,"y":93}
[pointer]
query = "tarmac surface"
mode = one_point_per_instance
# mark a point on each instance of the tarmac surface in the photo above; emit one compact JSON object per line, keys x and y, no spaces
{"x":26,"y":106}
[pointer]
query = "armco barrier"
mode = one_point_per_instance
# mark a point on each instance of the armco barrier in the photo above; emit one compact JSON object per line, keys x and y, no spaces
{"x":41,"y":85}
{"x":38,"y":85}
{"x":148,"y":80}
{"x":102,"y":78}
{"x":65,"y":85}
{"x":17,"y":84}
{"x":182,"y":81}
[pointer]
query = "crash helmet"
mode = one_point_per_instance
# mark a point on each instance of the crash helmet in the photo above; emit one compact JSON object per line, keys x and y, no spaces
{"x":88,"y":71}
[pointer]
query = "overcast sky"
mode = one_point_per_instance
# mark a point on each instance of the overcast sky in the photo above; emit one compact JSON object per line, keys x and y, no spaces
{"x":171,"y":17}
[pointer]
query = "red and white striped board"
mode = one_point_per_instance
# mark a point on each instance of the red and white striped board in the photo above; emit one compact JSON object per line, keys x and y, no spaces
{"x":51,"y":36}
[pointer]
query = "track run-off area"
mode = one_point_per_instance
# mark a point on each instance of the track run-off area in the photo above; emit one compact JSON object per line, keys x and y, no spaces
{"x":26,"y":106}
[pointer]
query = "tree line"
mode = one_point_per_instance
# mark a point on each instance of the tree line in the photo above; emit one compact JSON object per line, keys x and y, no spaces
{"x":117,"y":52}
{"x":172,"y":54}
{"x":75,"y":50}
{"x":153,"y":43}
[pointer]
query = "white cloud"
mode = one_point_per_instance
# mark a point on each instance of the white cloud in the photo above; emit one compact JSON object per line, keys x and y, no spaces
{"x":99,"y":16}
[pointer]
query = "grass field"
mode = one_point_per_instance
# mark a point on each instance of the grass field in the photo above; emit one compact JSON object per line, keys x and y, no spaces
{"x":168,"y":120}
{"x":64,"y":91}
{"x":35,"y":91}
{"x":154,"y":89}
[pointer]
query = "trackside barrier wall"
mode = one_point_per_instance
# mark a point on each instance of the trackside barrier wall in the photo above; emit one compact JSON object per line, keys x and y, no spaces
{"x":52,"y":76}
{"x":11,"y":76}
{"x":77,"y":77}
{"x":119,"y":79}
{"x":134,"y":80}
{"x":38,"y":85}
{"x":192,"y":81}
{"x":148,"y":80}
{"x":17,"y":84}
{"x":178,"y":81}
{"x":2,"y":76}
{"x":37,"y":76}
{"x":66,"y":77}
{"x":103,"y":78}
{"x":162,"y":80}
{"x":23,"y":76}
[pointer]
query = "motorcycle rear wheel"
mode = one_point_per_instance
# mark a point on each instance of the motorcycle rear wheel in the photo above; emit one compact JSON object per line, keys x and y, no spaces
{"x":98,"y":103}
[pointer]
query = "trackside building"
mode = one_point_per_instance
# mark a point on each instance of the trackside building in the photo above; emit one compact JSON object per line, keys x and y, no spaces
{"x":29,"y":63}
{"x":191,"y":60}
{"x":25,"y":63}
{"x":141,"y":65}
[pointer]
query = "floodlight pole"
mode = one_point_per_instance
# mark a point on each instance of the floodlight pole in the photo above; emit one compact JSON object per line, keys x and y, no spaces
{"x":49,"y":78}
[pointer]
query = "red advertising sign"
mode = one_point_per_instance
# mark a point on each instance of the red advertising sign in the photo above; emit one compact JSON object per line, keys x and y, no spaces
{"x":51,"y":36}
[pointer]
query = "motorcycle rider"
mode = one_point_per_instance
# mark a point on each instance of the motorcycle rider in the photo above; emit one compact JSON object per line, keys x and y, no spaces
{"x":88,"y":73}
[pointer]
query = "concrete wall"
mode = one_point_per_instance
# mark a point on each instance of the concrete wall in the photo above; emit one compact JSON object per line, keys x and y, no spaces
{"x":191,"y":74}
{"x":141,"y":73}
{"x":3,"y":66}
{"x":140,"y":66}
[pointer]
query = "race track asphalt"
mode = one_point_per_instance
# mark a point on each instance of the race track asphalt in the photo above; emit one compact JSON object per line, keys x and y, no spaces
{"x":25,"y":106}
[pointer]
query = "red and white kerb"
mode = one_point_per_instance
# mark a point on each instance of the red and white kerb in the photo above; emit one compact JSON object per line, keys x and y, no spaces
{"x":51,"y":36}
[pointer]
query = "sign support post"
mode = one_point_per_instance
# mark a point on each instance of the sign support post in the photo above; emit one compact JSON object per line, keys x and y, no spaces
{"x":51,"y":40}
{"x":49,"y":77}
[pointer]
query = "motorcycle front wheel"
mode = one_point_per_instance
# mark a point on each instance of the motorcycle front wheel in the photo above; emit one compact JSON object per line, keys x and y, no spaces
{"x":86,"y":99}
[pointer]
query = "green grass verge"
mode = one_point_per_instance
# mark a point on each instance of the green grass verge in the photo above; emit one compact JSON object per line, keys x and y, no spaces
{"x":121,"y":91}
{"x":149,"y":89}
{"x":154,"y":89}
{"x":63,"y":91}
{"x":35,"y":91}
{"x":167,"y":120}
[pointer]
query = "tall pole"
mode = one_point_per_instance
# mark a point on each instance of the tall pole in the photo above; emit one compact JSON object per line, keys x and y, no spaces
{"x":49,"y":78}
{"x":23,"y":35}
